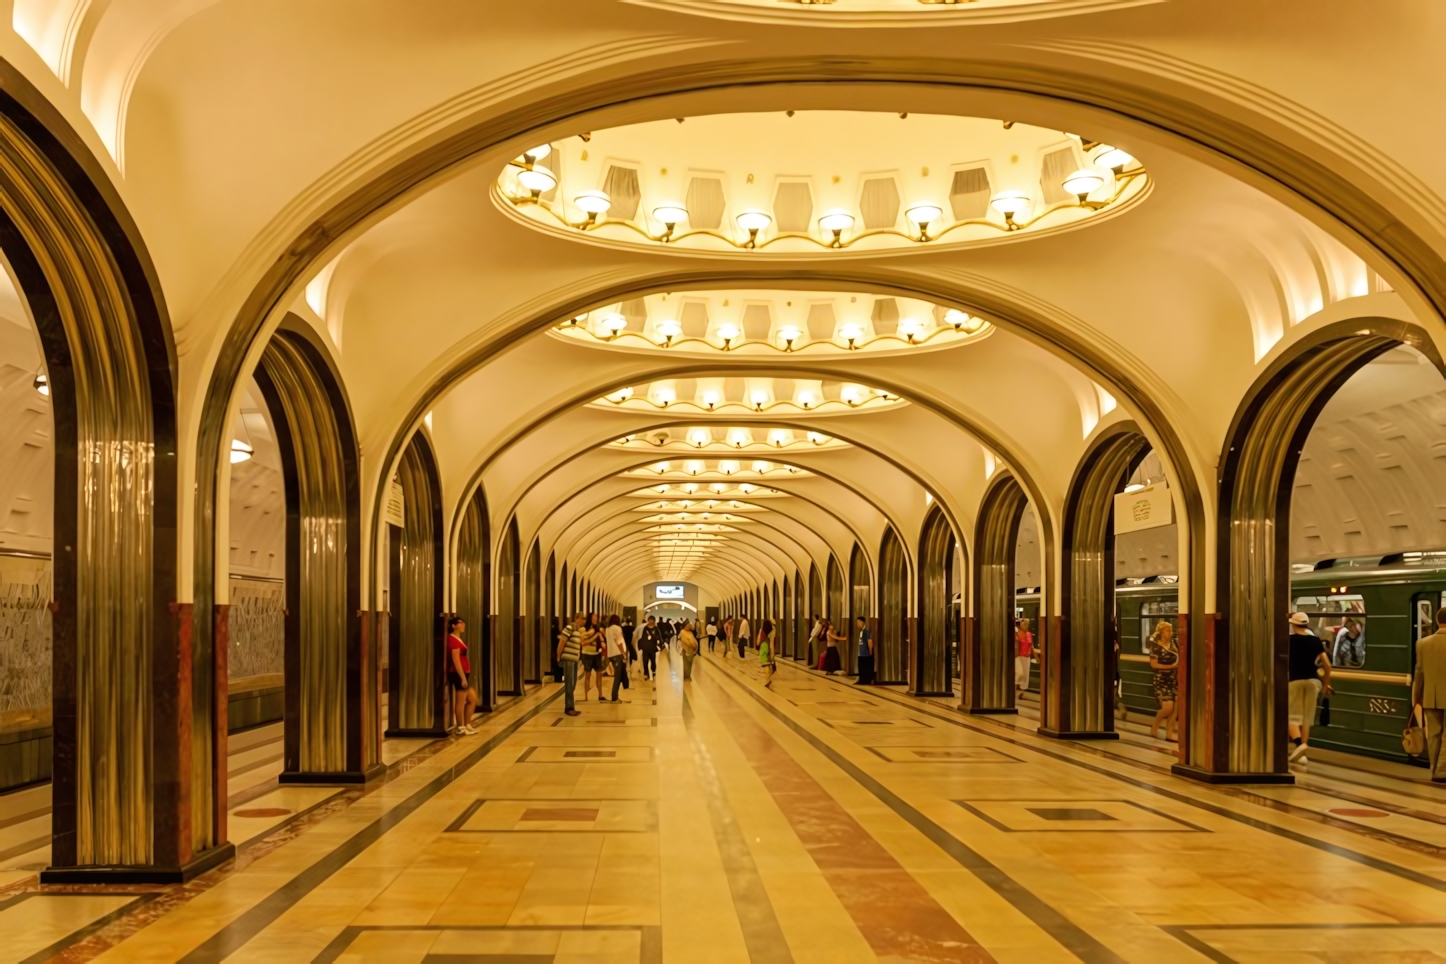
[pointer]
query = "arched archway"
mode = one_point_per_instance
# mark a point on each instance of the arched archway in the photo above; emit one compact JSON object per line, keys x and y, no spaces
{"x":472,"y":581}
{"x":817,"y":607}
{"x":986,"y":670}
{"x":550,"y":609}
{"x":838,"y":606}
{"x":1235,"y":725}
{"x":861,"y":603}
{"x":534,"y":660}
{"x":507,"y":628}
{"x":135,"y":723}
{"x":1077,"y":673}
{"x":330,"y":666}
{"x":931,"y":666}
{"x":891,"y":627}
{"x":416,"y":675}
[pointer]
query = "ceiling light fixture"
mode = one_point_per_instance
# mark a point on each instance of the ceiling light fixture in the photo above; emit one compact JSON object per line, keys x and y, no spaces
{"x":710,"y":399}
{"x":1111,"y":157}
{"x":789,"y":334}
{"x":1011,"y":204}
{"x":836,"y":224}
{"x":670,"y":216}
{"x":240,"y":451}
{"x":753,"y":222}
{"x":669,"y":329}
{"x":42,"y":384}
{"x":532,"y":155}
{"x":614,"y":324}
{"x":727,"y":333}
{"x":852,"y":333}
{"x":910,"y":328}
{"x":1083,"y":183}
{"x":956,"y":318}
{"x":923,"y":215}
{"x":537,"y":180}
{"x":592,"y":203}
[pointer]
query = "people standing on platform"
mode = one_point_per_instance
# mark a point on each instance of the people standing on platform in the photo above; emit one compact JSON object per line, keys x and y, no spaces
{"x":766,"y":658}
{"x":711,"y":631}
{"x":591,"y":656}
{"x":1349,"y":651}
{"x":1428,"y":691}
{"x":615,"y":648}
{"x":866,"y":652}
{"x":832,"y":662}
{"x":569,"y":654}
{"x":1165,"y":661}
{"x":816,"y":637}
{"x":459,"y":674}
{"x":648,"y":642}
{"x":688,"y":644}
{"x":1023,"y":653}
{"x":666,"y":632}
{"x":744,"y":631}
{"x":629,"y":630}
{"x":1310,"y":670}
{"x":728,"y":626}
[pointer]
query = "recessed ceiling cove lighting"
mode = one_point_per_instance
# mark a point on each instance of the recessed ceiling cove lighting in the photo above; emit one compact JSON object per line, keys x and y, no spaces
{"x":761,"y":184}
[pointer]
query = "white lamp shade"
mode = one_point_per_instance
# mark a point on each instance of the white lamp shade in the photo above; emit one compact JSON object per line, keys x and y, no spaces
{"x":727,"y":332}
{"x":593,"y":202}
{"x":670,"y":214}
{"x":1083,"y":182}
{"x":922,"y":214}
{"x":614,"y":323}
{"x":240,"y":451}
{"x":956,"y":317}
{"x":838,"y":221}
{"x":1011,"y":202}
{"x":1111,"y":157}
{"x":789,"y":333}
{"x":910,"y":326}
{"x":753,"y":220}
{"x":538,"y":179}
{"x":668,"y":329}
{"x":537,"y":153}
{"x":851,"y":333}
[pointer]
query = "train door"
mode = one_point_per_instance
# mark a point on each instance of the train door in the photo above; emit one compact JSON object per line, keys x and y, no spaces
{"x":1423,"y":608}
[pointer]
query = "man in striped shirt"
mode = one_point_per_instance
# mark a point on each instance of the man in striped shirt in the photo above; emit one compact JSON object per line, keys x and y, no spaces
{"x":569,"y":652}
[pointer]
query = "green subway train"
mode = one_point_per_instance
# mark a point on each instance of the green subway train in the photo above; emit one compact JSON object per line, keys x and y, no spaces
{"x":1369,"y":610}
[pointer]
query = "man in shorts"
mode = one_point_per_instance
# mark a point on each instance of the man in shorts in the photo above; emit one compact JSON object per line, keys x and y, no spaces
{"x":1310,"y":671}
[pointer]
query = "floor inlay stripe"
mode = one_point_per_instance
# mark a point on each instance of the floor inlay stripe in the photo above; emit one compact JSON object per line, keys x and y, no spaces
{"x":895,"y":914}
{"x":762,"y":934}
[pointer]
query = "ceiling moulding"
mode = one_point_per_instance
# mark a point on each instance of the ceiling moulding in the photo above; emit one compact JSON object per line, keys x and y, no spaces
{"x":887,"y":13}
{"x":779,"y":187}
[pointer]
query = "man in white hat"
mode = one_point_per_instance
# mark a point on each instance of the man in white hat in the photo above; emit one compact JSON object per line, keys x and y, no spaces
{"x":1310,"y":670}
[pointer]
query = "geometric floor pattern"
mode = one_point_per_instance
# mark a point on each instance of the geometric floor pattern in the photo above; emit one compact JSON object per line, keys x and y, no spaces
{"x":716,"y":820}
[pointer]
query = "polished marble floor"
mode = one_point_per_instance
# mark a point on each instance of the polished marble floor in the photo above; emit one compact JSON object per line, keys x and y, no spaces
{"x":813,"y":821}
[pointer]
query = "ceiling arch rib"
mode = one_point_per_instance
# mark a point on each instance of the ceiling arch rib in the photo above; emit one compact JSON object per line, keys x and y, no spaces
{"x":619,"y":529}
{"x":625,"y":532}
{"x":845,"y":532}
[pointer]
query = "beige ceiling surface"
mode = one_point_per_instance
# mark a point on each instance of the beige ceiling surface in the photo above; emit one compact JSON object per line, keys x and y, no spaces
{"x":229,"y":127}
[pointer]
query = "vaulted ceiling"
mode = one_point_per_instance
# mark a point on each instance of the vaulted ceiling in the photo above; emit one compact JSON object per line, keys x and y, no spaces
{"x":571,"y":361}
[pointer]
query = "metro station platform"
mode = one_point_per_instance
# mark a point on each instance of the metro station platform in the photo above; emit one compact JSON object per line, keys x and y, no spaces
{"x":716,"y":820}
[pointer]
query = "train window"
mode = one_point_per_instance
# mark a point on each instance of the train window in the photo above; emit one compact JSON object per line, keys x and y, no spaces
{"x":1150,"y":615}
{"x":1340,"y":621}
